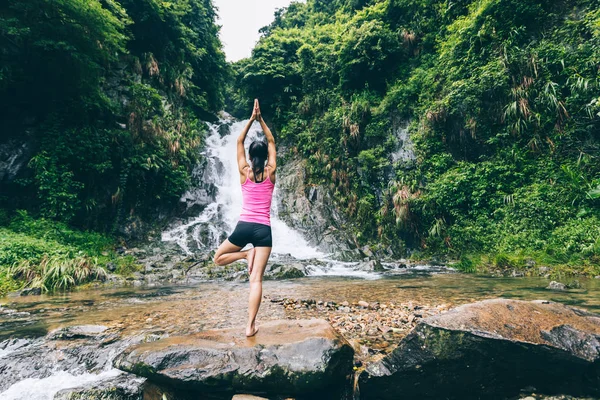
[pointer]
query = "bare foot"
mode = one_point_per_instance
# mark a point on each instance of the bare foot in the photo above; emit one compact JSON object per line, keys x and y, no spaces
{"x":251,"y":331}
{"x":250,"y":258}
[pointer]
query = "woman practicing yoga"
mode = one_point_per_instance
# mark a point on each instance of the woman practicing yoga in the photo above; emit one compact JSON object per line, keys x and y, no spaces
{"x":254,"y":226}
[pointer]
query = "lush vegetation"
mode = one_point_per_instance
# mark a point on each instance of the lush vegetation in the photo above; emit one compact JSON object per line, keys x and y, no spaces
{"x":45,"y":254}
{"x":109,"y":96}
{"x":501,"y":102}
{"x":499,"y":97}
{"x":109,"y":93}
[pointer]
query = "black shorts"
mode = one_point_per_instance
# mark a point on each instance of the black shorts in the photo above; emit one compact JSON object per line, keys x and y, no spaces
{"x":259,"y":235}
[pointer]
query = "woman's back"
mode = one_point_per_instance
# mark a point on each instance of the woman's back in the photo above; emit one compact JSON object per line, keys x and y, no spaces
{"x":256,"y":199}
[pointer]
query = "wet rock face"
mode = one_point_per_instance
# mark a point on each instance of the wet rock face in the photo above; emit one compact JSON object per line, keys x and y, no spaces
{"x":371,"y":266}
{"x":14,"y":155}
{"x":310,"y":209}
{"x":74,"y":349}
{"x":285,"y":358}
{"x":77,"y":332}
{"x":286,"y":271}
{"x":123,"y":387}
{"x":492,"y":349}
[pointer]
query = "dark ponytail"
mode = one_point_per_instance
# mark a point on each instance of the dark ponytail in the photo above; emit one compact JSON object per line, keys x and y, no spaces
{"x":258,"y":155}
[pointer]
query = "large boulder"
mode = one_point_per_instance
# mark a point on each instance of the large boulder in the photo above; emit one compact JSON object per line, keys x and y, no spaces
{"x":370,"y":266}
{"x":286,"y":358}
{"x":492,"y":349}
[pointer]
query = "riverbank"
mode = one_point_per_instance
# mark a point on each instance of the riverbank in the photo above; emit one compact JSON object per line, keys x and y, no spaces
{"x":518,"y":265}
{"x":47,"y":256}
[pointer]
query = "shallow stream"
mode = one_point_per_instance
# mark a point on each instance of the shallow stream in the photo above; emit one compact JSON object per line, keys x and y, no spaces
{"x":179,"y":310}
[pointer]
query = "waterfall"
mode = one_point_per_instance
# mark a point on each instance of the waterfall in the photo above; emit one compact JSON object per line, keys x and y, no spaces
{"x":218,"y":219}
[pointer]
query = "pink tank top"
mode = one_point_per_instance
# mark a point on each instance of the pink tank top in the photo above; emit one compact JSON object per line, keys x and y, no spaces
{"x":256,"y":200}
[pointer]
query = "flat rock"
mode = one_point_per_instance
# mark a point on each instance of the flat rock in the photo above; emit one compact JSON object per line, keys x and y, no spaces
{"x":285,"y":358}
{"x":77,"y":332}
{"x":492,"y":349}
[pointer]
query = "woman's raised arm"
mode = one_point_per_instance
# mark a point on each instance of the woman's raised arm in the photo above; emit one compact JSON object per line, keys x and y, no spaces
{"x":241,"y":151}
{"x":272,"y":161}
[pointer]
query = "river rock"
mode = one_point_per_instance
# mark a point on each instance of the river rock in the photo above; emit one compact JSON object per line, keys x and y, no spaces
{"x":77,"y":332}
{"x":26,"y":292}
{"x":492,"y":349}
{"x":285,"y":358}
{"x":287,"y":271}
{"x":556,"y":286}
{"x":31,"y":291}
{"x":123,"y":387}
{"x":371,"y":266}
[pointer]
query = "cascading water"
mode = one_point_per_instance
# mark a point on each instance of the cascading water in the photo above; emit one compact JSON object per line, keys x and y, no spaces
{"x":219,"y":218}
{"x":207,"y":230}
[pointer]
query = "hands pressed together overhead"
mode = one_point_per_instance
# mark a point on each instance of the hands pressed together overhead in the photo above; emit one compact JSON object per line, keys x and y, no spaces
{"x":256,"y":115}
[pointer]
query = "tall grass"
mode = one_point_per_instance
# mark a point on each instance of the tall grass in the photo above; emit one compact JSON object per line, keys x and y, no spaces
{"x":57,"y":272}
{"x":39,"y":253}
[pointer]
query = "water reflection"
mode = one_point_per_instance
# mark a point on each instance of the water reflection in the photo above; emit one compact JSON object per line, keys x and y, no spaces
{"x":182,"y":309}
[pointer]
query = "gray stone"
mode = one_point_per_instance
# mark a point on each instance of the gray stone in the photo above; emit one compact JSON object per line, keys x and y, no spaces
{"x":123,"y":387}
{"x":492,"y":349}
{"x":77,"y":332}
{"x":26,"y":292}
{"x":544,"y":270}
{"x":371,"y":266}
{"x":286,"y":271}
{"x":310,"y":209}
{"x":111,"y":266}
{"x":556,"y":286}
{"x":366,"y":251}
{"x":285,"y":358}
{"x":14,"y":155}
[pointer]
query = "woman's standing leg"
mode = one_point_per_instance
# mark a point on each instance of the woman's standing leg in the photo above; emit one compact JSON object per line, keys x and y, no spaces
{"x":260,"y":262}
{"x":229,"y":252}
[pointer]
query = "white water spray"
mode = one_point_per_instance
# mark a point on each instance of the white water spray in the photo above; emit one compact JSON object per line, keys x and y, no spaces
{"x":221,"y":216}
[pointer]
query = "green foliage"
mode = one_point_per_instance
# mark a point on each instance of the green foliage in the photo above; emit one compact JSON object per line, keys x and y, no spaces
{"x":51,"y":255}
{"x":466,"y":264}
{"x":109,"y":94}
{"x":501,"y":101}
{"x":59,"y":272}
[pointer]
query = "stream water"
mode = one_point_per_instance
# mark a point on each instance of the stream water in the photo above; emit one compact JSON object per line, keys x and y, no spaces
{"x":35,"y":367}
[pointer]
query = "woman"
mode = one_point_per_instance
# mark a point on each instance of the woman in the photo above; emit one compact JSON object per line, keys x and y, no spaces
{"x":254,"y":226}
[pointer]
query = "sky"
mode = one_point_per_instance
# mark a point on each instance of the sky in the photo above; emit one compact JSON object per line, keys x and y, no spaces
{"x":240,"y":21}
